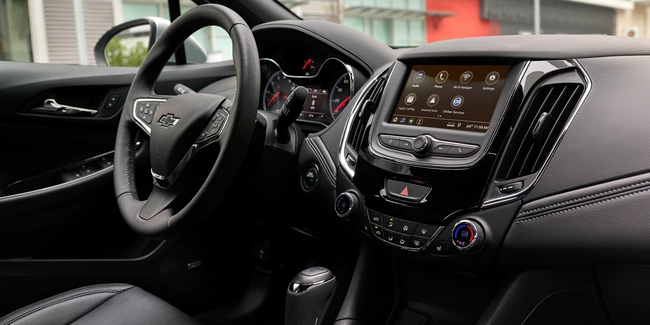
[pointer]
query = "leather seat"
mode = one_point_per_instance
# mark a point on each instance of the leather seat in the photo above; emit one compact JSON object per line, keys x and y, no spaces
{"x":100,"y":304}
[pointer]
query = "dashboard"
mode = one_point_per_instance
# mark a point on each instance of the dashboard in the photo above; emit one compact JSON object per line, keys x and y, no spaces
{"x":515,"y":156}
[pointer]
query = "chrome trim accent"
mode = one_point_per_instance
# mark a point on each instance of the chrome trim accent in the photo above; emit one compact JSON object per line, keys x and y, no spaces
{"x":436,"y":142}
{"x":517,"y":195}
{"x":353,"y":112}
{"x":415,"y":162}
{"x":351,"y":198}
{"x":471,"y":224}
{"x":67,"y":108}
{"x":298,"y":288}
{"x":142,"y":124}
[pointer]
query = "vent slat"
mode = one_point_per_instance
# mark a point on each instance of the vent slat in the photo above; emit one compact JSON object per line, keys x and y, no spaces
{"x":361,"y":124}
{"x":527,"y":154}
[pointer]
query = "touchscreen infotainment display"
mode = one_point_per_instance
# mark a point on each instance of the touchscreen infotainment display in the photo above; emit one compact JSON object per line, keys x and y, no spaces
{"x":460,"y":97}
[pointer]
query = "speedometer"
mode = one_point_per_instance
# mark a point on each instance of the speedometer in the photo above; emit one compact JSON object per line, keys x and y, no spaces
{"x":340,"y":95}
{"x":276,"y":91}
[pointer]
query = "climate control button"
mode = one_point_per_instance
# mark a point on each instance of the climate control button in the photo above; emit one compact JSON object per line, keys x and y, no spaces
{"x":467,"y":236}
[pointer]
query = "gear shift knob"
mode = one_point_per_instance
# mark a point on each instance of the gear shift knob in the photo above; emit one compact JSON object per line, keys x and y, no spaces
{"x":308,"y":295}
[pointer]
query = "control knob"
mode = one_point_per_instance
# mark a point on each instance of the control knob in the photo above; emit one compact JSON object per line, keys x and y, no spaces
{"x":468,"y":236}
{"x":422,"y":144}
{"x":346,"y":204}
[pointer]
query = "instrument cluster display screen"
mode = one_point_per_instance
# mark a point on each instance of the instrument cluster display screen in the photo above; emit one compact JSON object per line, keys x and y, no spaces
{"x":459,"y":97}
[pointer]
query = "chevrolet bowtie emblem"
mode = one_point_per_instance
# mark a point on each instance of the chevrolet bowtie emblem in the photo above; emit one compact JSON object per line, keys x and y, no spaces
{"x":168,"y":120}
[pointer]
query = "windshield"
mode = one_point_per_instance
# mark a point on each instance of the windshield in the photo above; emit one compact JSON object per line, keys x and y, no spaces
{"x":410,"y":23}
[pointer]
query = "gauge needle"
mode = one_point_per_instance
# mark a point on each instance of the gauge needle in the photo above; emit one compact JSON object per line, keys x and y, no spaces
{"x":343,"y":103}
{"x":304,"y":67}
{"x":272,"y":99}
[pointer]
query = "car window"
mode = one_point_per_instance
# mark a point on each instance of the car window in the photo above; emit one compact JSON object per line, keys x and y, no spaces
{"x":409,"y":23}
{"x":66,"y":31}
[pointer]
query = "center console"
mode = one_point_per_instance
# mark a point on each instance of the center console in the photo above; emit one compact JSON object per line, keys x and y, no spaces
{"x":435,"y":155}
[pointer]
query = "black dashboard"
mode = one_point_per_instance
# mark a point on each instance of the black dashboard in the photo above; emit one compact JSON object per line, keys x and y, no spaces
{"x":489,"y":154}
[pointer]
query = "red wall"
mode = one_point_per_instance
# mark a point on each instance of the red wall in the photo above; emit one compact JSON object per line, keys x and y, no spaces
{"x":466,"y":21}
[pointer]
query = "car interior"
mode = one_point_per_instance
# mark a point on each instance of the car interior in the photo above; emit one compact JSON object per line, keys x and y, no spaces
{"x":322,"y":177}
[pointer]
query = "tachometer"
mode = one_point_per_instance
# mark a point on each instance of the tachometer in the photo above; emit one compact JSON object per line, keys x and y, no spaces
{"x":340,"y":95}
{"x":276,"y":91}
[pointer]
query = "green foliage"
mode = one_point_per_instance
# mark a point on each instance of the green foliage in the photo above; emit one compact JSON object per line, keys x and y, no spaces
{"x":118,"y":55}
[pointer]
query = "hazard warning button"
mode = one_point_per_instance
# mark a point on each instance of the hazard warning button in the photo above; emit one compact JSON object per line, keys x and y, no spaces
{"x":406,"y":191}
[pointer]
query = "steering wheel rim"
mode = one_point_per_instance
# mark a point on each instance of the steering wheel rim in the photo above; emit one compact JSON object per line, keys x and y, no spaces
{"x":153,"y":217}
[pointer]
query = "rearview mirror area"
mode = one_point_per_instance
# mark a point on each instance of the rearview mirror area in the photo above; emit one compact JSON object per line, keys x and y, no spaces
{"x":127,"y":44}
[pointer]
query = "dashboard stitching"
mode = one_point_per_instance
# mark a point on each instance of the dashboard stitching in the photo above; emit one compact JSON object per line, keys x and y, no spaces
{"x":323,"y":162}
{"x":583,"y":206}
{"x":528,"y":212}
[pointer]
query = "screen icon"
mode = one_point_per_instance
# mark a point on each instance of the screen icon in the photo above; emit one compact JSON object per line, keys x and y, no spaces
{"x":410,"y":99}
{"x":402,"y":120}
{"x":419,"y":121}
{"x":466,"y":77}
{"x":419,"y":76}
{"x":492,"y":78}
{"x":457,"y":101}
{"x":433,"y":100}
{"x":395,"y":119}
{"x":442,"y":76}
{"x":411,"y":120}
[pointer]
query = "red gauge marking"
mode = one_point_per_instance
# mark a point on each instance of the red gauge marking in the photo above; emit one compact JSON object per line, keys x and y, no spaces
{"x":272,"y":99}
{"x":304,"y":67}
{"x":341,"y":105}
{"x":284,"y":96}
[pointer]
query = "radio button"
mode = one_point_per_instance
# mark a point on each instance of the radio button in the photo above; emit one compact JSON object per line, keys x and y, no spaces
{"x":390,"y":141}
{"x":440,"y":149}
{"x":406,"y":144}
{"x":464,"y":151}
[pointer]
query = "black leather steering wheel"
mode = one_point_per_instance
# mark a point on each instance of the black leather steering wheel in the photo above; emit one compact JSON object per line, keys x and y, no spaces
{"x":179,"y":126}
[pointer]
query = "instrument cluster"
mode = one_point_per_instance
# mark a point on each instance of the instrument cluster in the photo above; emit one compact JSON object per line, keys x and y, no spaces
{"x":329,"y":81}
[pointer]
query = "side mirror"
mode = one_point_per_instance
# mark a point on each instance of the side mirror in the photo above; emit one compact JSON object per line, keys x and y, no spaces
{"x":127,"y":44}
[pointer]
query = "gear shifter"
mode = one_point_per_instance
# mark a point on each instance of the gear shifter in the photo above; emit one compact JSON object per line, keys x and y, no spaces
{"x":308,"y":295}
{"x":289,"y":113}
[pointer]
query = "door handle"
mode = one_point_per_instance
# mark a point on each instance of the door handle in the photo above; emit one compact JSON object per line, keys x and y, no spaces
{"x":50,"y":106}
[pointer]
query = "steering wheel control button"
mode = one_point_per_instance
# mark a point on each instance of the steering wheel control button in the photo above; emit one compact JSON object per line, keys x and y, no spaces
{"x":407,"y":227}
{"x":464,"y":151}
{"x":442,"y":76}
{"x":375,"y":217}
{"x":310,"y":178}
{"x":442,"y":248}
{"x":406,"y":191}
{"x":422,"y":144}
{"x":346,"y":203}
{"x":467,"y":236}
{"x":390,"y":141}
{"x":492,"y":78}
{"x":391,"y":223}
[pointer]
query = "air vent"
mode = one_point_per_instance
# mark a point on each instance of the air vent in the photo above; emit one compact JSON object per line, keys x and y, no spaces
{"x":539,"y":128}
{"x":358,"y":125}
{"x":361,"y":121}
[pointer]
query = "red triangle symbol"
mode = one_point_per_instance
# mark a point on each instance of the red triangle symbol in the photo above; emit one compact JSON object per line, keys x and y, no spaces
{"x":405,"y":191}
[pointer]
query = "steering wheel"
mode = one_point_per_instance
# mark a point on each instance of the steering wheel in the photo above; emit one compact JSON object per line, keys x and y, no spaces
{"x":180,"y":126}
